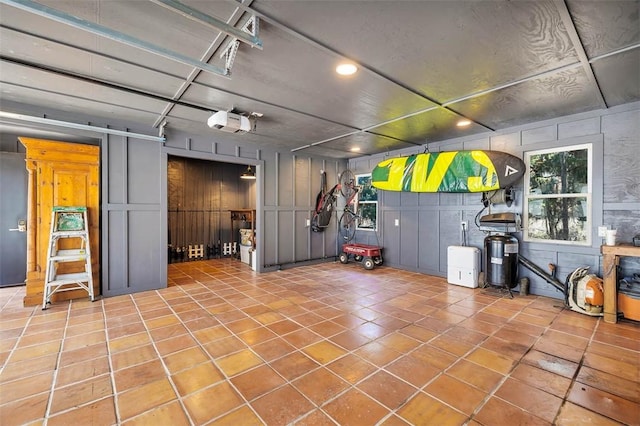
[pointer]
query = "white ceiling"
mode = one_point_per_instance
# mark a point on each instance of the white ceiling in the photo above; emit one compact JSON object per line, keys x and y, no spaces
{"x":424,"y":65}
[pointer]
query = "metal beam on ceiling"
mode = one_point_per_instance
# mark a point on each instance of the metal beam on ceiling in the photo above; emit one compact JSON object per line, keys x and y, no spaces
{"x":69,"y":125}
{"x":570,"y":27}
{"x":195,"y":15}
{"x":206,"y":57}
{"x":102,"y":31}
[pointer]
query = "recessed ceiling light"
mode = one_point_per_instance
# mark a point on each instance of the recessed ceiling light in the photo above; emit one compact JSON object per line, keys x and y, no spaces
{"x":355,"y":149}
{"x":463,"y":123}
{"x":346,"y":69}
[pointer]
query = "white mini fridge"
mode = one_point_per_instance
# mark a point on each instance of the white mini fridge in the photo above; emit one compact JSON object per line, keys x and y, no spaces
{"x":463,"y":266}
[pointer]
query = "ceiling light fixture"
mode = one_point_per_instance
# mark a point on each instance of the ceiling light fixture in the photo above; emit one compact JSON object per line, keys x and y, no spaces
{"x":346,"y":69}
{"x":248,"y":174}
{"x":355,"y":149}
{"x":463,"y":123}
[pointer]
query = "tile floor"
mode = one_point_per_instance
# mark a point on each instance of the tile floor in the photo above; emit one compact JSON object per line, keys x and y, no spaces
{"x":316,"y":345}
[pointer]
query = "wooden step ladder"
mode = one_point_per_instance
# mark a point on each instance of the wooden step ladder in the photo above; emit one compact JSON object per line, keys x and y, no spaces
{"x":68,"y":242}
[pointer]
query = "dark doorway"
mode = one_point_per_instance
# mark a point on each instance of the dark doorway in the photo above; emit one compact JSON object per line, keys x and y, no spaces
{"x":202,"y":197}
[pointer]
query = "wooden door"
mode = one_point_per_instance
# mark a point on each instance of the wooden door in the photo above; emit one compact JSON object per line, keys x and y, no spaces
{"x":60,"y":174}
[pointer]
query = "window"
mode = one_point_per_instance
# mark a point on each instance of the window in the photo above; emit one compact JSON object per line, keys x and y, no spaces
{"x":366,"y":205}
{"x":557,"y":202}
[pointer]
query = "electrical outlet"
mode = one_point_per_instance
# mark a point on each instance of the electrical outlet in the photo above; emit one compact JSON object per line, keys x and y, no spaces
{"x":602,"y":231}
{"x":464,"y":225}
{"x":397,"y":222}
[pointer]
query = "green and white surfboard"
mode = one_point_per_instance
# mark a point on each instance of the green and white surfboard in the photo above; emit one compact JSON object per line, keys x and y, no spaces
{"x":449,"y":171}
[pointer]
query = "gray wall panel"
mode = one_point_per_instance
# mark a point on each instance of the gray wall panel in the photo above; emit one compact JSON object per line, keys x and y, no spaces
{"x":428,"y":199}
{"x":143,"y":170}
{"x":428,"y":240}
{"x":540,"y":134}
{"x":135,"y":251}
{"x":285,"y":181}
{"x":271,"y":181}
{"x":117,"y":171}
{"x":589,"y":126}
{"x":477,"y":144}
{"x":391,"y":199}
{"x":392,"y":250}
{"x":449,"y":234}
{"x":203,"y":145}
{"x":270,"y":237}
{"x":117,"y":244}
{"x":409,"y":238}
{"x":505,"y":142}
{"x":146,"y":270}
{"x":409,"y":199}
{"x":302,"y":184}
{"x":450,"y":199}
{"x":286,"y":236}
{"x":301,"y":235}
{"x":622,"y":153}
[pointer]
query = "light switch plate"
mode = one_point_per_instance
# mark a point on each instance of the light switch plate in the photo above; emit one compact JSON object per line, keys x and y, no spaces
{"x":602,"y":231}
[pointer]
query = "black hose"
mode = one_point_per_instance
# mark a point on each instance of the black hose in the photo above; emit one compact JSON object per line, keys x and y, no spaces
{"x":541,"y":273}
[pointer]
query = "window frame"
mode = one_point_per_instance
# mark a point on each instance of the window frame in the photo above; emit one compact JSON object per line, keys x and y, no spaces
{"x":357,"y":201}
{"x":527,"y":195}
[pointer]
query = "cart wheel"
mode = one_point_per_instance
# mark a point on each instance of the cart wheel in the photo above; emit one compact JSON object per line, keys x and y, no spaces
{"x":368,"y":263}
{"x":357,"y":258}
{"x":344,"y":258}
{"x":377,"y":261}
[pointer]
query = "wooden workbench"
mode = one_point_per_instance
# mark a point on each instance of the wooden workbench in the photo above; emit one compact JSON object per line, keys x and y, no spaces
{"x":610,"y":259}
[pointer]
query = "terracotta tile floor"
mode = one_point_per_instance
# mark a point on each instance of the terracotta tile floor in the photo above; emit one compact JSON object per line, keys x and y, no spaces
{"x":316,"y":345}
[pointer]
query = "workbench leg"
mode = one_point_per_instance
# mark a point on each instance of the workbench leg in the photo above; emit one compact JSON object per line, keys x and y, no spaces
{"x":609,"y":264}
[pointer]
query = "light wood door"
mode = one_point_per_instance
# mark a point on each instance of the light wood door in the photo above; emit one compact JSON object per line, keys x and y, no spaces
{"x":60,"y":174}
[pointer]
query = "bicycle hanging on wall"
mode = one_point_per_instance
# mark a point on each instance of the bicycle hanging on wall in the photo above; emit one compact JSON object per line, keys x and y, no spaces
{"x":326,"y":204}
{"x":348,"y":221}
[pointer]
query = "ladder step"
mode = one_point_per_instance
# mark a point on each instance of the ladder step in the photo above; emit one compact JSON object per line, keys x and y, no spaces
{"x":64,"y":279}
{"x":69,"y":234}
{"x":68,"y":255}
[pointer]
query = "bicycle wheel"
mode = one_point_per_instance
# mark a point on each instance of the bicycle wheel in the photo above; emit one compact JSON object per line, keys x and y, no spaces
{"x":347,"y":183}
{"x":347,"y":226}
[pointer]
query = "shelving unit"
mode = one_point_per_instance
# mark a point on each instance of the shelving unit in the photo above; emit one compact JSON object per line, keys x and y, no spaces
{"x":244,"y":215}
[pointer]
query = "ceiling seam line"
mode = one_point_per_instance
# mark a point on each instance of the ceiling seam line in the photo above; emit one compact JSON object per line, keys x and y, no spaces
{"x":572,"y":31}
{"x":75,"y":97}
{"x":514,"y":83}
{"x":89,"y":51}
{"x":99,"y":82}
{"x":105,"y":32}
{"x":615,"y":52}
{"x":366,"y":129}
